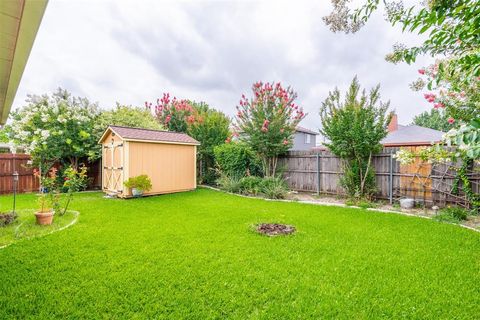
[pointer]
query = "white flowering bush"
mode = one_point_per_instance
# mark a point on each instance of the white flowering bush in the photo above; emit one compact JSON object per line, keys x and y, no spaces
{"x":56,"y":128}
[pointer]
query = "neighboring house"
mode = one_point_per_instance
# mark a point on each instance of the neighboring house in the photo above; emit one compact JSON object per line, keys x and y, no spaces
{"x":411,"y":135}
{"x":304,"y":139}
{"x":404,"y":136}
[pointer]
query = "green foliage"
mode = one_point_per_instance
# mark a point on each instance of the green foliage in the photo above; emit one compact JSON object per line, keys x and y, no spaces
{"x":452,"y":214}
{"x":56,"y":128}
{"x":353,"y":178}
{"x":4,"y":137}
{"x":127,"y":116}
{"x":251,"y":185}
{"x":74,"y":180}
{"x":237,"y":159}
{"x":362,"y":203}
{"x":229,"y":183}
{"x":354,"y":129}
{"x":211,"y":128}
{"x":435,"y":119}
{"x":462,"y":179}
{"x":451,"y":28}
{"x":467,"y":139}
{"x":207,"y":125}
{"x":267,"y":122}
{"x":141,"y":182}
{"x":49,"y":198}
{"x":270,"y":187}
{"x":274,"y":188}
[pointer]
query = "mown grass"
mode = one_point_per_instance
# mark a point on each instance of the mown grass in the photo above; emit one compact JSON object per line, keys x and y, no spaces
{"x":25,"y":226}
{"x":194,"y":255}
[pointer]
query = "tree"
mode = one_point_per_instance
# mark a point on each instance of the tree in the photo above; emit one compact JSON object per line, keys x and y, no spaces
{"x":434,"y":119}
{"x":451,"y":25}
{"x":127,"y":116}
{"x":55,"y":128}
{"x":452,"y":35}
{"x":354,"y":128}
{"x":211,"y":128}
{"x":174,"y":114}
{"x":268,"y":121}
{"x":207,"y":125}
{"x":458,"y":96}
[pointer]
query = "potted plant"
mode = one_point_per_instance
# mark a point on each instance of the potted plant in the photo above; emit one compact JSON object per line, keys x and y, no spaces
{"x":139,"y":184}
{"x":48,"y":200}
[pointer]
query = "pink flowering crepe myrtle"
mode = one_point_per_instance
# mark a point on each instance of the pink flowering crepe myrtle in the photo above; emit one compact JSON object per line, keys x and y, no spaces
{"x":445,"y":96}
{"x":268,"y":121}
{"x":174,"y":114}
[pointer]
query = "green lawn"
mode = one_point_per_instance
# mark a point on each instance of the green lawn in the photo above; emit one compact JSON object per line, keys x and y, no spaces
{"x":194,"y":255}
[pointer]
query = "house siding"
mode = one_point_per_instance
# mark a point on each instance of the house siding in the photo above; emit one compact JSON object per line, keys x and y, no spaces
{"x":299,"y":142}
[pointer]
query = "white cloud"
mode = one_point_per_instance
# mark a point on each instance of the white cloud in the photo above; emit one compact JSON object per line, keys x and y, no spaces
{"x":132,"y":51}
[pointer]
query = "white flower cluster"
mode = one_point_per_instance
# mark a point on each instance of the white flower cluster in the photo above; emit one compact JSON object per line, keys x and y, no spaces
{"x":45,"y":118}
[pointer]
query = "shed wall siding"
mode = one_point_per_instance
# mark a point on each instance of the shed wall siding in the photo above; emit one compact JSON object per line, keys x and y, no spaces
{"x":170,"y":167}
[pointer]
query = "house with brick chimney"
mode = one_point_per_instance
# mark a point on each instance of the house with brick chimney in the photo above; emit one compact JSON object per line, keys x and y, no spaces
{"x":411,"y":135}
{"x":402,"y":136}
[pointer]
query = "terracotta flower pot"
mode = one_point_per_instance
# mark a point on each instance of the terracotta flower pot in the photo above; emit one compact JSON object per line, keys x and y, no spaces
{"x":44,"y":218}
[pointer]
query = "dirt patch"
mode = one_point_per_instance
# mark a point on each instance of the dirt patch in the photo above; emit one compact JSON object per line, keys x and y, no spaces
{"x":275,"y":229}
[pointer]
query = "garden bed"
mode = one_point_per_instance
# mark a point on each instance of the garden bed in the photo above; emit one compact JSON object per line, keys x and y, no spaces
{"x":25,"y":227}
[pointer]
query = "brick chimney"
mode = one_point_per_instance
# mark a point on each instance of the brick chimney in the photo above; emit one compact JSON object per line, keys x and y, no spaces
{"x":393,"y":125}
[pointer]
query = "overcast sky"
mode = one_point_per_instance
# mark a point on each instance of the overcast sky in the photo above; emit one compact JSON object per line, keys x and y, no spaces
{"x":212,"y":51}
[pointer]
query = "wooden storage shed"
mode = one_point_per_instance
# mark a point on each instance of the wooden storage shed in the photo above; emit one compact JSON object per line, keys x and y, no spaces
{"x":168,"y":158}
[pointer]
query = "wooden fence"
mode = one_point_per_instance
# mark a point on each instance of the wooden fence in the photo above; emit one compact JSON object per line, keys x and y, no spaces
{"x":320,"y":172}
{"x":9,"y":163}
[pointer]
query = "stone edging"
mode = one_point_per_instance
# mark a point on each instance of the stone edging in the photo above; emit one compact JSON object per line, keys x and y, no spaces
{"x":46,"y":234}
{"x":337,"y":205}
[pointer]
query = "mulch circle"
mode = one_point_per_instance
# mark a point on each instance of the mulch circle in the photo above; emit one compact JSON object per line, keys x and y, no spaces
{"x":275,"y":229}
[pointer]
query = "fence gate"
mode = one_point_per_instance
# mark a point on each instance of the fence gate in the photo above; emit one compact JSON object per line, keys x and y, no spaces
{"x":113,"y":167}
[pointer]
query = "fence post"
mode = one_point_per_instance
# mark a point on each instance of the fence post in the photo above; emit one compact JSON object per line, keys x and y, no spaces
{"x":318,"y":173}
{"x":390,"y":180}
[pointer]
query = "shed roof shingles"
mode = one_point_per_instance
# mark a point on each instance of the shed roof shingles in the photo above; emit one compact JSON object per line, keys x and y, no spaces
{"x":153,"y":135}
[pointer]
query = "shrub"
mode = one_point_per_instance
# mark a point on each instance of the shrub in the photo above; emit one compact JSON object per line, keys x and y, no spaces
{"x":141,"y":182}
{"x":229,"y":183}
{"x":452,"y":214}
{"x":75,"y":180}
{"x":251,"y":185}
{"x":351,"y":181}
{"x":354,"y":128}
{"x":274,"y":188}
{"x":211,"y":128}
{"x":237,"y":160}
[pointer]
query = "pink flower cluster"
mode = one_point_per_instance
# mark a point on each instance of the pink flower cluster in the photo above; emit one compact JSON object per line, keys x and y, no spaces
{"x":430,"y":97}
{"x":265,"y":125}
{"x":167,"y":108}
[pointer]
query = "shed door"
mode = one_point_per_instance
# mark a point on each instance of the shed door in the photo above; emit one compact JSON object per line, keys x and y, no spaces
{"x":113,"y":167}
